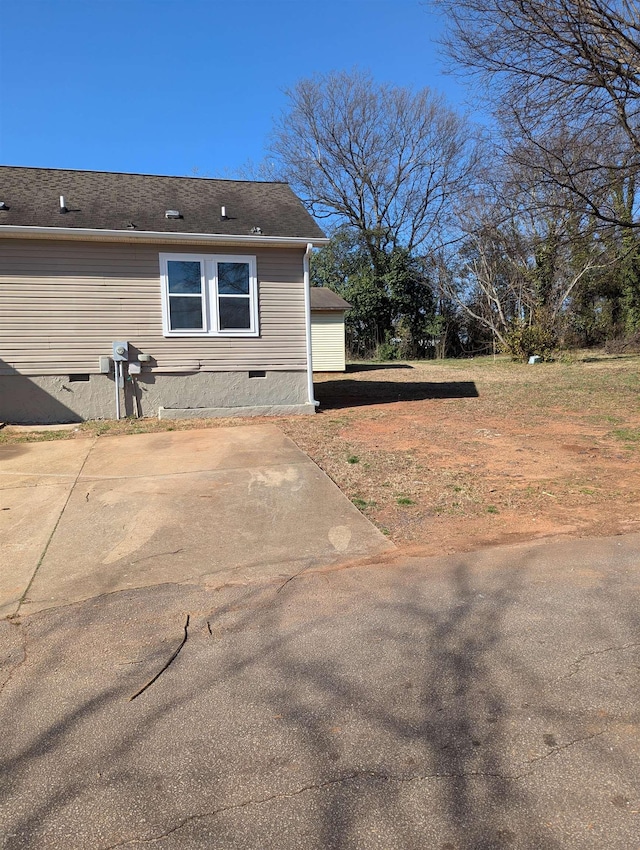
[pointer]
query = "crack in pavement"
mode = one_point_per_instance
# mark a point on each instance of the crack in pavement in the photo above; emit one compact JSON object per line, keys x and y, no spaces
{"x":371,"y":775}
{"x":291,"y":578}
{"x":155,"y":555}
{"x":166,"y":666}
{"x":351,"y":777}
{"x":28,"y":486}
{"x":560,"y":747}
{"x":582,"y":658}
{"x":76,"y":478}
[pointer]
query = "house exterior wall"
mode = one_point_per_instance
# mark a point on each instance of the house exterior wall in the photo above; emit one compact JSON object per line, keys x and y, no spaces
{"x":63,"y":303}
{"x":328,"y":341}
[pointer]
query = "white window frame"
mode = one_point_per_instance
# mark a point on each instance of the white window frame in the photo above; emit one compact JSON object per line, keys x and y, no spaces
{"x":212,"y":276}
{"x":166,"y":315}
{"x":210,"y":296}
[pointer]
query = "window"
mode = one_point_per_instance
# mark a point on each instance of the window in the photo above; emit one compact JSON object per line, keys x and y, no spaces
{"x":207,"y":295}
{"x":185,"y":290}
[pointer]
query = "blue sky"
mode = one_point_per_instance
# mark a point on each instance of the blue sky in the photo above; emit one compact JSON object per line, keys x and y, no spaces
{"x":173,"y":86}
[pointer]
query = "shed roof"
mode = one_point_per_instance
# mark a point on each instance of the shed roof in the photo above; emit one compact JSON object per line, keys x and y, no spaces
{"x":105,"y":200}
{"x":326,"y":299}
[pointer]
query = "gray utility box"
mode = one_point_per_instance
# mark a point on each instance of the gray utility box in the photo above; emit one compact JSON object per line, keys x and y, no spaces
{"x":121,"y":351}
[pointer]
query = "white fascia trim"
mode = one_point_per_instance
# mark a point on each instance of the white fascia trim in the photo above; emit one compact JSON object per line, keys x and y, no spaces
{"x":88,"y":233}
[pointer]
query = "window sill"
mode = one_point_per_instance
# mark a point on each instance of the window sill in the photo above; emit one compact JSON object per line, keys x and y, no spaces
{"x":209,"y":335}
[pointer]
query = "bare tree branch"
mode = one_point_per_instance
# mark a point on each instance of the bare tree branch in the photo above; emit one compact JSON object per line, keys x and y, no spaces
{"x":385,"y":160}
{"x":559,"y":71}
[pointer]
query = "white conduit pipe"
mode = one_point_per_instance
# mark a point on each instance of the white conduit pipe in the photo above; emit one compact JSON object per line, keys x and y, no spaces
{"x":117,"y":372}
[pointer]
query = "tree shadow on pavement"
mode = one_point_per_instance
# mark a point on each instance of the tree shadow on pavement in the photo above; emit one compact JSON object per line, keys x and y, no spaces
{"x":359,"y":708}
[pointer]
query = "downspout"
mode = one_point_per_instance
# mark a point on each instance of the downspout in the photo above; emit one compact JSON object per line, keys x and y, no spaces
{"x":307,"y":310}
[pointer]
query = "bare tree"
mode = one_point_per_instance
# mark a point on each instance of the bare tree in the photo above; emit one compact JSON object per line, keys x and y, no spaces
{"x":488,"y":277}
{"x":564,"y":77}
{"x":384,"y":160}
{"x":525,"y":254}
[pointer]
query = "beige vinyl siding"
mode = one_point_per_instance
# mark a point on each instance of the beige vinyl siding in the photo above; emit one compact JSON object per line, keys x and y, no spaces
{"x":63,"y":303}
{"x":327,"y":341}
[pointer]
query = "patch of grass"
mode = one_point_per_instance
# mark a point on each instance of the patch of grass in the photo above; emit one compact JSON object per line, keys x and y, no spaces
{"x":403,"y":500}
{"x":362,"y":504}
{"x":100,"y":428}
{"x":491,"y":509}
{"x":353,"y":459}
{"x":34,"y":437}
{"x":627,"y":435}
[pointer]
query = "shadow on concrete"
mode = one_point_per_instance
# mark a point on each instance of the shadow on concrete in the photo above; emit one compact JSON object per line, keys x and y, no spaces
{"x":23,"y":402}
{"x":13,"y":450}
{"x":348,"y":393}
{"x":295,"y":717}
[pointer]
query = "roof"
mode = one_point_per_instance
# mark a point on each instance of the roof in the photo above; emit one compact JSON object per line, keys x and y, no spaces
{"x":326,"y":299}
{"x":104,"y":200}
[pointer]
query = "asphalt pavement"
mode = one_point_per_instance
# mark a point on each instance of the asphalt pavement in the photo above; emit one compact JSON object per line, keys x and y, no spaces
{"x":473,"y":702}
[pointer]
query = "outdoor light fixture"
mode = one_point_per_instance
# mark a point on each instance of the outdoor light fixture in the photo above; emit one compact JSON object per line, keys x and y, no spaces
{"x":172,"y":214}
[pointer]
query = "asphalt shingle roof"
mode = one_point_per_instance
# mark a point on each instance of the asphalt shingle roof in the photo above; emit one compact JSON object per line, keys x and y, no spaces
{"x":326,"y":299}
{"x":106,"y":200}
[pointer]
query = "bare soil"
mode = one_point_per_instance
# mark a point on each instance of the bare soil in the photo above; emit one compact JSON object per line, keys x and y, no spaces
{"x":452,"y":456}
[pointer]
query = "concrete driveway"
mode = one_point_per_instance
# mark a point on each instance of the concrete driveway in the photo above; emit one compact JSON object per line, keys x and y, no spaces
{"x":85,"y":517}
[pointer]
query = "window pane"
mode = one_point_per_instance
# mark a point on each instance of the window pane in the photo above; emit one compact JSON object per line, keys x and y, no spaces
{"x":233,"y":278}
{"x":234,"y":314}
{"x":185,"y":313}
{"x":184,"y":277}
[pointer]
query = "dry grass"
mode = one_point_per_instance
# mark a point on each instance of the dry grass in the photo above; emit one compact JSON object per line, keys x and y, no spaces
{"x":542,"y":450}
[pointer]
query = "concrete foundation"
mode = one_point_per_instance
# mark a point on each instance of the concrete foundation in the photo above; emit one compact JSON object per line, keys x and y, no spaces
{"x":223,"y":412}
{"x":49,"y":399}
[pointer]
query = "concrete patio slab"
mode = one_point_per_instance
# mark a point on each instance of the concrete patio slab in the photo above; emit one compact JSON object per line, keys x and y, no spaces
{"x":227,"y":504}
{"x":43,"y":460}
{"x":35,"y":483}
{"x":182,"y":452}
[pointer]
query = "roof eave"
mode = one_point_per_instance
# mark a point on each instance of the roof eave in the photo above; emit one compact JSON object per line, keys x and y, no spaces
{"x":97,"y":235}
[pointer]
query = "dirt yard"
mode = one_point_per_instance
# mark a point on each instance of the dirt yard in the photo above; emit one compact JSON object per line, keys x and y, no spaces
{"x":455,"y":455}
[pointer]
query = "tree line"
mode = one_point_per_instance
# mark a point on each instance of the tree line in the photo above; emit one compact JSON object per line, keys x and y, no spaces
{"x":452,"y":240}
